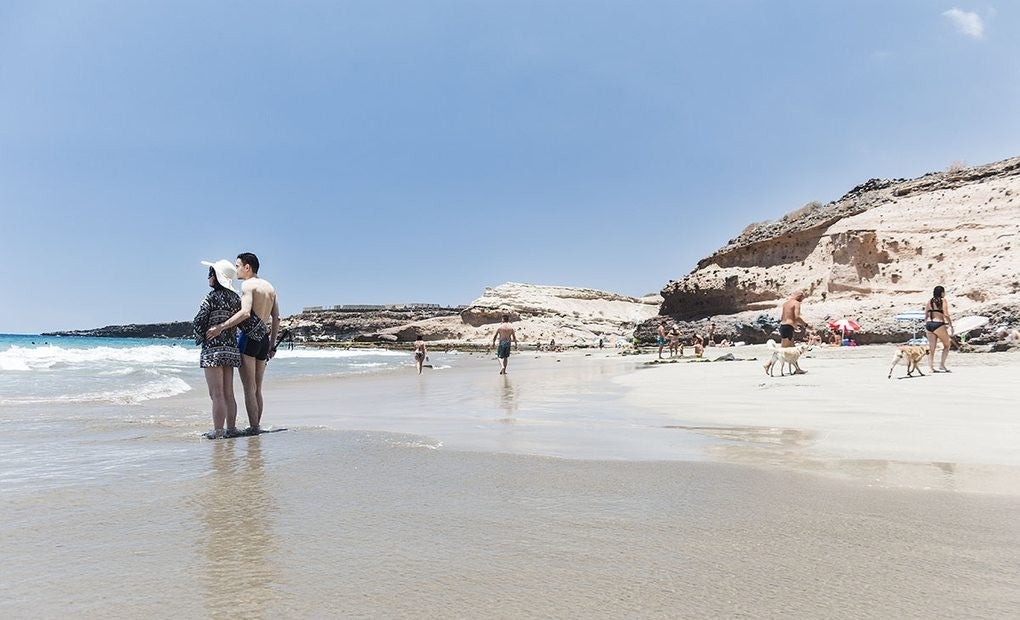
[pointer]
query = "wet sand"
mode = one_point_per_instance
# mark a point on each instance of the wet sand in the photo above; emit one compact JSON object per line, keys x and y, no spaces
{"x":322,"y":523}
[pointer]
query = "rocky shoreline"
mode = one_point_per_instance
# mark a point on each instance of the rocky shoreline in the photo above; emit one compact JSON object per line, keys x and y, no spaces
{"x":177,"y":330}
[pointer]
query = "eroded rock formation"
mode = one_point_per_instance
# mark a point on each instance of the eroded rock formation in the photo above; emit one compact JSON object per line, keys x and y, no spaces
{"x":878,"y":250}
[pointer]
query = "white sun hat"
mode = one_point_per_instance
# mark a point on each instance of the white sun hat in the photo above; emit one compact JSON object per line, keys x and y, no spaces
{"x":225,"y":272}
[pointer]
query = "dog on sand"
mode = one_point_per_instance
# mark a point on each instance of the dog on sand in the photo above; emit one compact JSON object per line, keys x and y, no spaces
{"x":787,"y":356}
{"x":912,"y":354}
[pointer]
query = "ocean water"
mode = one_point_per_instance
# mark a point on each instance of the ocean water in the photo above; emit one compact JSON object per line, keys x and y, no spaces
{"x":46,"y":369}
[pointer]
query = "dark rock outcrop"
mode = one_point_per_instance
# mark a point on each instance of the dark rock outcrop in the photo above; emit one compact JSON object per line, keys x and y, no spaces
{"x":360,"y":326}
{"x":182,"y":330}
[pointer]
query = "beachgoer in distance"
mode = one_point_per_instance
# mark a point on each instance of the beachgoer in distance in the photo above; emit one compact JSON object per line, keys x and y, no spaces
{"x":505,"y":334}
{"x":259,"y":307}
{"x":710,"y":340}
{"x":674,"y":341}
{"x":938,"y":327}
{"x":420,"y":352}
{"x":699,"y":345}
{"x":219,"y":356}
{"x":660,"y":338}
{"x":791,"y":320}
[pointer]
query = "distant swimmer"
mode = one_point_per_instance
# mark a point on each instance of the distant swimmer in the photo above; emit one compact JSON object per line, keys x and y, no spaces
{"x":420,"y":352}
{"x":505,"y":334}
{"x":220,"y":355}
{"x":259,"y":307}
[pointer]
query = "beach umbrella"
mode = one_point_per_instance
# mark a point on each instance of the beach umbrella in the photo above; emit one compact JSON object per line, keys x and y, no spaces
{"x":845,"y":325}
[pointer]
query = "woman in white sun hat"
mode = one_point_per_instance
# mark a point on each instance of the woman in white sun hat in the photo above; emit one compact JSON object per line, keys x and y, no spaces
{"x":220,"y":355}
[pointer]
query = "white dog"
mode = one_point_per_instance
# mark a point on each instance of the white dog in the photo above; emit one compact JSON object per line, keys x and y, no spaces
{"x":787,"y":356}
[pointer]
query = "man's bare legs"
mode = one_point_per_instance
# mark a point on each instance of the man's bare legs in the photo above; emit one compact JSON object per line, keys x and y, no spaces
{"x":252,"y":371}
{"x":502,"y":364}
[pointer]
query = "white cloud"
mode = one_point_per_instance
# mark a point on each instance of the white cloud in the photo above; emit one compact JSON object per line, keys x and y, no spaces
{"x":966,"y":22}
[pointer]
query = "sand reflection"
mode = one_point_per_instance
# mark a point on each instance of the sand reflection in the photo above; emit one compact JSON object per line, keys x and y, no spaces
{"x":237,"y":509}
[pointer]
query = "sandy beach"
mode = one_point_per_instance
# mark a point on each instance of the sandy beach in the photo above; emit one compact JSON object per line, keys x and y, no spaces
{"x":584,"y":484}
{"x":844,"y":418}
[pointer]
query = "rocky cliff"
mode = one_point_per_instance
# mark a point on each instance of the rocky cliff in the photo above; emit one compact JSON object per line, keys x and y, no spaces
{"x":878,"y":250}
{"x":540,"y":313}
{"x":335,"y":325}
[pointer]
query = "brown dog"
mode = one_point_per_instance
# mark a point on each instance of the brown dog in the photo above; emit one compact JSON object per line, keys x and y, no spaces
{"x":913,"y":354}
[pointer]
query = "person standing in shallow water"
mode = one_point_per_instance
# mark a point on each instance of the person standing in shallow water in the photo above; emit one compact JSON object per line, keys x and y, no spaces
{"x":259,"y":307}
{"x":420,"y":352}
{"x":938,"y":327}
{"x":220,"y":355}
{"x":505,"y":334}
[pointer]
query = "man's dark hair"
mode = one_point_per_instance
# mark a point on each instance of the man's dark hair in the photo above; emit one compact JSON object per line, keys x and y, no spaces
{"x":506,"y":318}
{"x":247,"y":258}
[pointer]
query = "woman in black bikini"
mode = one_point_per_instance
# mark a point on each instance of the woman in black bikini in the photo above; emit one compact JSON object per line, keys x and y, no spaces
{"x":419,"y":353}
{"x":938,"y":326}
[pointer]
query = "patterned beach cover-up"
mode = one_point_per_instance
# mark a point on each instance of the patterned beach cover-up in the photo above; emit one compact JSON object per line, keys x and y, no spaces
{"x":217,"y":307}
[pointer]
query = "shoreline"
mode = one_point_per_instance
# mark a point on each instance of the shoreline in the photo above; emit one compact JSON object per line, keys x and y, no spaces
{"x":843,"y":419}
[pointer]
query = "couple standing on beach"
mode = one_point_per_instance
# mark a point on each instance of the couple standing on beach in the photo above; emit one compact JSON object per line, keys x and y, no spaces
{"x":233,"y":333}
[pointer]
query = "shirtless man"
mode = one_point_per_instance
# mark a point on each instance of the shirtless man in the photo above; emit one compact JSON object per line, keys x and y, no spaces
{"x":789,"y":322}
{"x":258,"y":297}
{"x":660,"y":338}
{"x":505,"y":333}
{"x":791,"y":318}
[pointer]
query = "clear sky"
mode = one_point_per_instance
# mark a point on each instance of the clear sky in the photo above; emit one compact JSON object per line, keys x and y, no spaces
{"x":382,"y":152}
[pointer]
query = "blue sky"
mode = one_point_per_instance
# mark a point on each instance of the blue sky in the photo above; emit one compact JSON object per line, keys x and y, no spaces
{"x":376,"y":152}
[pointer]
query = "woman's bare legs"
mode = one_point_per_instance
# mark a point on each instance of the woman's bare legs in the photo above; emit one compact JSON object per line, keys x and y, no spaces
{"x":228,"y":397}
{"x":214,"y":380}
{"x":941,"y":335}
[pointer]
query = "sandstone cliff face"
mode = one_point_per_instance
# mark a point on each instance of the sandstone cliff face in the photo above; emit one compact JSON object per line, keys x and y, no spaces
{"x":539,"y":313}
{"x":877,"y":251}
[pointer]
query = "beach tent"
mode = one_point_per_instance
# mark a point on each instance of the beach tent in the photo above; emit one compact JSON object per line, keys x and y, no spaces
{"x":917,"y":318}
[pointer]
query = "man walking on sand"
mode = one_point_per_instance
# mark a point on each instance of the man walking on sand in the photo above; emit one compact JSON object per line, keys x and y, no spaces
{"x":791,"y":320}
{"x":505,"y":334}
{"x":259,"y":307}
